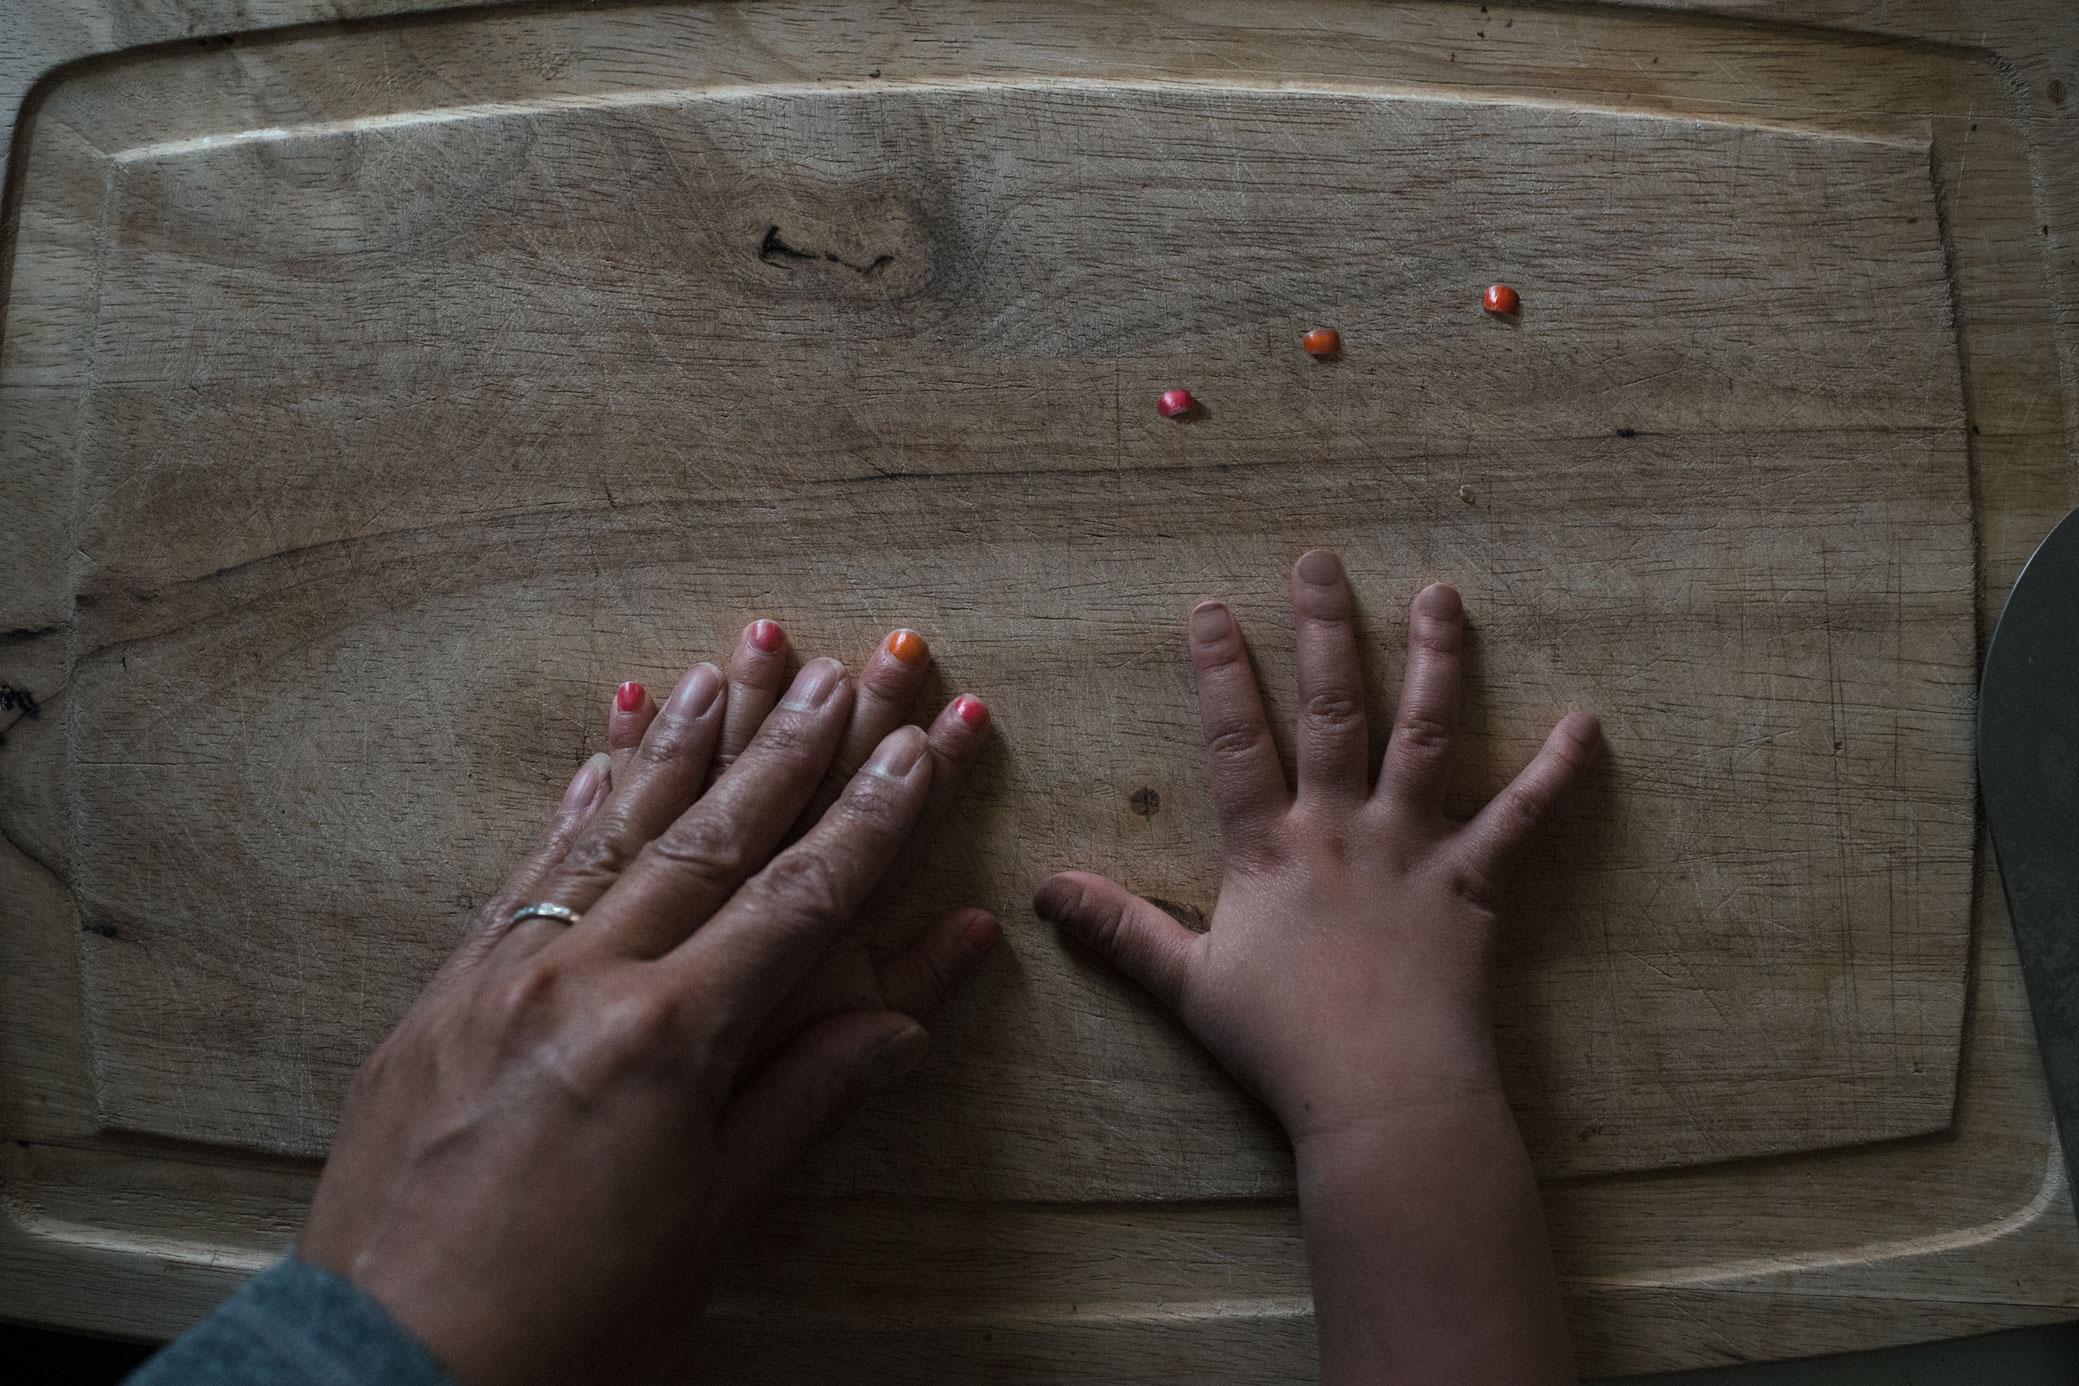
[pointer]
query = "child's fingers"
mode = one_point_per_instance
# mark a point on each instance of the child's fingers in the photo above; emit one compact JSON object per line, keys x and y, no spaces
{"x":1248,"y":784}
{"x":886,"y":687}
{"x":954,"y":739}
{"x":1498,"y":833}
{"x":1334,"y":756}
{"x":757,"y":671}
{"x":634,"y":709}
{"x":923,"y":974}
{"x":1140,"y":939}
{"x":1413,"y":777}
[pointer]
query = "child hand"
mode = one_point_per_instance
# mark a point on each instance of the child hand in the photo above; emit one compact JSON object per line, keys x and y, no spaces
{"x":1347,"y":972}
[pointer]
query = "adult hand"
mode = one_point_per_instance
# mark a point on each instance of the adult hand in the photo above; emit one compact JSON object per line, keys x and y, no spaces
{"x":538,"y":1169}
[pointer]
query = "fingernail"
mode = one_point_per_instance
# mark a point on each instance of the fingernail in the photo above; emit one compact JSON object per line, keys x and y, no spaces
{"x":983,"y":933}
{"x":897,"y":1056}
{"x":814,"y":684}
{"x":898,"y":753}
{"x":696,"y":692}
{"x":1210,"y":621}
{"x":767,"y":636}
{"x":906,"y":646}
{"x":1319,"y":567}
{"x":587,"y":783}
{"x":971,"y":710}
{"x":628,"y":697}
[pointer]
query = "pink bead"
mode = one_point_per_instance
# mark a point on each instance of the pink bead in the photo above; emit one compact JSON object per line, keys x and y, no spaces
{"x":1175,"y":404}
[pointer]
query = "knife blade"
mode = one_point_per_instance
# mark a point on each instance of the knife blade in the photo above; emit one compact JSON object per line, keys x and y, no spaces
{"x":2028,"y":775}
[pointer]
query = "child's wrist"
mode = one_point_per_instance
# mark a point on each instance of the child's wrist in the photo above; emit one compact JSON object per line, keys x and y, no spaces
{"x":1367,"y":1111}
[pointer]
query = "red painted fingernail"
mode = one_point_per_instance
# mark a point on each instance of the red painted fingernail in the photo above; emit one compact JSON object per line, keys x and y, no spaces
{"x":768,"y":636}
{"x":1501,"y":300}
{"x":628,"y":697}
{"x":1323,"y":342}
{"x":1174,"y":404}
{"x":971,"y":710}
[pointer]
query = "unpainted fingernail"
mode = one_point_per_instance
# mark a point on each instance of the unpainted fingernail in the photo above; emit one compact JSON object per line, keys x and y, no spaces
{"x":983,"y":933}
{"x":898,"y":753}
{"x":588,"y":783}
{"x":814,"y":684}
{"x":1210,"y":621}
{"x":907,"y":647}
{"x":899,"y":1054}
{"x":1319,"y":567}
{"x":696,"y":692}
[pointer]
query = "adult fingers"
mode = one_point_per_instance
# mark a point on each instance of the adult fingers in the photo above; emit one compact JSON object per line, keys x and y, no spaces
{"x":523,"y":887}
{"x":923,"y":974}
{"x":757,"y":671}
{"x":663,"y":775}
{"x":685,"y":871}
{"x":1334,"y":759}
{"x":1499,"y":832}
{"x":805,"y":1091}
{"x":1248,"y":783}
{"x":1423,"y":724}
{"x":634,"y":710}
{"x":1141,"y":939}
{"x":759,"y":945}
{"x":886,"y":687}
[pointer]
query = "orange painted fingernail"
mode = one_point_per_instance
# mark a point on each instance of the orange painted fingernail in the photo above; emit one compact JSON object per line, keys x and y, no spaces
{"x":1322,"y":341}
{"x":1501,"y":300}
{"x":628,"y":697}
{"x":906,"y":646}
{"x":767,"y":636}
{"x":971,"y":710}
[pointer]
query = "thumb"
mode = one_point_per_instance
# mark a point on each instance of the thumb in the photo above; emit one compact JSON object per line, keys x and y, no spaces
{"x":806,"y":1091}
{"x":1142,"y":940}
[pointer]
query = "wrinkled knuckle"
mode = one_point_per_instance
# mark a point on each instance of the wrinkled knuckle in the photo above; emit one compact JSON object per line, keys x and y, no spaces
{"x":871,"y":800}
{"x":1423,"y":730}
{"x":670,"y":738}
{"x":600,"y":855}
{"x":808,"y":884}
{"x":1334,"y":709}
{"x":1230,"y":745}
{"x":700,"y":849}
{"x":786,"y":736}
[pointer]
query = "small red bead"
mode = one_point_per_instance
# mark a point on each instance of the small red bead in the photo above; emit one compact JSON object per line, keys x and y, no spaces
{"x":1501,"y":300}
{"x":628,"y":697}
{"x":768,"y":636}
{"x":1323,"y":342}
{"x":971,"y":710}
{"x":1175,"y":404}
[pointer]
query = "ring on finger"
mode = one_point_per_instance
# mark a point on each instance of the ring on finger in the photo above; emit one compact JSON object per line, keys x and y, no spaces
{"x":543,"y":909}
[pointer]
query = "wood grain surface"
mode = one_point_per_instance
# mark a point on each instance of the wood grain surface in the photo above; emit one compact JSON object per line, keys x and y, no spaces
{"x":377,"y":396}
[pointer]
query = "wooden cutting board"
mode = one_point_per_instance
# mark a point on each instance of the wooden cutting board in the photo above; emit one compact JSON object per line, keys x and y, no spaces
{"x":375,"y":397}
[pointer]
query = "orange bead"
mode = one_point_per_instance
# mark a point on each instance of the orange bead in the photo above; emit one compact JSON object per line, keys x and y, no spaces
{"x":1323,"y":342}
{"x":907,"y":647}
{"x":1501,"y":300}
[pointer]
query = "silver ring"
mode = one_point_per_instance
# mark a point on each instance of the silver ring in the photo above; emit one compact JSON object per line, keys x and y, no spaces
{"x":543,"y":910}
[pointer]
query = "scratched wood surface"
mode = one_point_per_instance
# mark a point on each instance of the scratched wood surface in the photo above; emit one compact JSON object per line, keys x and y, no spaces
{"x":371,"y":429}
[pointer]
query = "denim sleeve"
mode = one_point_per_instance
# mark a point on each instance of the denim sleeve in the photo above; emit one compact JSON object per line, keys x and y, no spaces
{"x":295,"y":1325}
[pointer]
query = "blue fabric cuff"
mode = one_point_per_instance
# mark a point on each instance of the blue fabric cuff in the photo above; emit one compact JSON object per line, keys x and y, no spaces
{"x":295,"y":1325}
